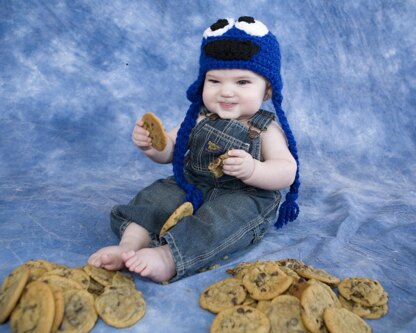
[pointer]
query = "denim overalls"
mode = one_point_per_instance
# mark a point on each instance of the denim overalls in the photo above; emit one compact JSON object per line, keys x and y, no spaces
{"x":233,"y":216}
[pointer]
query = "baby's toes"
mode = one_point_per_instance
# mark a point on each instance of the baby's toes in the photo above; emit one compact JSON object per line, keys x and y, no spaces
{"x":95,"y":260}
{"x":140,"y":268}
{"x":127,"y":255}
{"x":109,"y":261}
{"x":132,"y":263}
{"x":145,"y":271}
{"x":133,"y":266}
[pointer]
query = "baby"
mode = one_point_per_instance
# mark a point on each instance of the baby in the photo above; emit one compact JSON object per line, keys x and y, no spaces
{"x":239,"y":69}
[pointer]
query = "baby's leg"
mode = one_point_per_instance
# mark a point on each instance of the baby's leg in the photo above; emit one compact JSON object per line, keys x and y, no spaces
{"x":155,"y":263}
{"x":134,"y":238}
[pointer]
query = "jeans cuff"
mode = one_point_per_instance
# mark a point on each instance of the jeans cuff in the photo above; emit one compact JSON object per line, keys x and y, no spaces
{"x":123,"y":227}
{"x":180,"y":267}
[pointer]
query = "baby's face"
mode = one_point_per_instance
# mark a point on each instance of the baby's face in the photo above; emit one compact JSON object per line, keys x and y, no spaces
{"x":233,"y":93}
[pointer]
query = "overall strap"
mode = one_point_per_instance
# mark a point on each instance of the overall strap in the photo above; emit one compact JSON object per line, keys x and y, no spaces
{"x":259,"y":122}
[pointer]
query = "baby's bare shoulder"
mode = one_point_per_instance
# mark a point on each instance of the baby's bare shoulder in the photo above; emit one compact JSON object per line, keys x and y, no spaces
{"x":274,"y":134}
{"x":274,"y":144}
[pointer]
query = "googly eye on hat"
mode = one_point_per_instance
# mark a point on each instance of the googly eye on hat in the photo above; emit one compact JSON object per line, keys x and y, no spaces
{"x":219,"y":28}
{"x":244,"y":23}
{"x":251,"y":26}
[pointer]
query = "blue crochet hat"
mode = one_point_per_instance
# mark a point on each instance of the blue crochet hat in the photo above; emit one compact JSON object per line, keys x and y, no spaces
{"x":242,"y":44}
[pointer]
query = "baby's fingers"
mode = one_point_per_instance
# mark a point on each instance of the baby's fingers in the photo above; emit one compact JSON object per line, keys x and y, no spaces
{"x":139,"y":122}
{"x":142,"y":139}
{"x":232,"y":165}
{"x":230,"y":161}
{"x":237,"y":153}
{"x":140,"y":131}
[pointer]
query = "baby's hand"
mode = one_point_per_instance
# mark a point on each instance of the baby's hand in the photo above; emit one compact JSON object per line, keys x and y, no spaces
{"x":240,"y":164}
{"x":141,"y":137}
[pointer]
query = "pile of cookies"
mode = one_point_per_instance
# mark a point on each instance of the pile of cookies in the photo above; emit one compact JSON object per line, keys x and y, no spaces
{"x":40,"y":296}
{"x":289,"y":296}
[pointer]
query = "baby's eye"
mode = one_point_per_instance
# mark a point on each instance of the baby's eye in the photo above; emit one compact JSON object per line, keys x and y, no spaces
{"x":219,"y":28}
{"x":243,"y":82}
{"x":252,"y":27}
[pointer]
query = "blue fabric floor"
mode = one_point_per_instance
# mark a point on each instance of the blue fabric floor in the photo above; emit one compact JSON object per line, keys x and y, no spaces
{"x":75,"y":75}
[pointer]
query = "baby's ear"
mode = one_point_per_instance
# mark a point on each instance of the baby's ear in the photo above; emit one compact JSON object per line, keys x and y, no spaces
{"x":269,"y":92}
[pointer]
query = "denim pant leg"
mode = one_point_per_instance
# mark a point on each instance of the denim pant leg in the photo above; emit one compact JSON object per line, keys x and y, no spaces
{"x":228,"y":221}
{"x":150,"y":208}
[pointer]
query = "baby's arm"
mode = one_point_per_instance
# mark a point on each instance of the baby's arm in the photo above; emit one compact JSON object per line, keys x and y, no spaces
{"x":278,"y":169}
{"x":142,"y":140}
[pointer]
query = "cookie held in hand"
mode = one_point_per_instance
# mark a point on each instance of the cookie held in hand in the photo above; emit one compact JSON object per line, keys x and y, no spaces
{"x":216,"y":166}
{"x":157,"y":133}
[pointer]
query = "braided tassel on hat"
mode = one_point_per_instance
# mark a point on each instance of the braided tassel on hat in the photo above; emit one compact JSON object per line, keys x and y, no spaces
{"x":193,"y":194}
{"x":289,"y":210}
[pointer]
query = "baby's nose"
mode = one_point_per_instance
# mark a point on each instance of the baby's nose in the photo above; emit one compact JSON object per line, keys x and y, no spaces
{"x":227,"y":90}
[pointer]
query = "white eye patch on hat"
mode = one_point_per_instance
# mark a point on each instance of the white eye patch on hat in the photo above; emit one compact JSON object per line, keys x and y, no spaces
{"x":244,"y":23}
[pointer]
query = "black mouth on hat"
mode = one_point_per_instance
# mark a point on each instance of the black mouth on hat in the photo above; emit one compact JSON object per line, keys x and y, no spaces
{"x":231,"y":49}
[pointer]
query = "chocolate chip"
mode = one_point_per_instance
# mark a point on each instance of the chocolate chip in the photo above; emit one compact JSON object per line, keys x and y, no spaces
{"x":292,"y":323}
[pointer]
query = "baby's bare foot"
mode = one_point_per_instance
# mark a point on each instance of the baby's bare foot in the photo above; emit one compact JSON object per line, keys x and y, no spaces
{"x":108,"y":257}
{"x":156,"y":263}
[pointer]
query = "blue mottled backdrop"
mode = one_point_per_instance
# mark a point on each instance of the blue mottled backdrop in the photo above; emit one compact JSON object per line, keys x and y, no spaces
{"x":75,"y":75}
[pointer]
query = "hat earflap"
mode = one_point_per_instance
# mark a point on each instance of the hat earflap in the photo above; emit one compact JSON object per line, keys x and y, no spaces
{"x":193,"y":194}
{"x":289,"y":210}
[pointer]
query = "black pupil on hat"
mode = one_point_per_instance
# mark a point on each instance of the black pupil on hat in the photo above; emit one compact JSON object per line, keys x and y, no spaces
{"x":221,"y":23}
{"x":247,"y":19}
